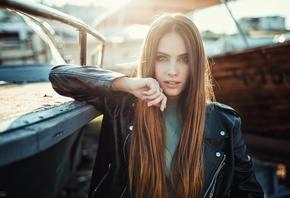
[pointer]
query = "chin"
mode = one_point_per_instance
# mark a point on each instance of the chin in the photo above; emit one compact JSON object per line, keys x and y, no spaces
{"x":172,"y":96}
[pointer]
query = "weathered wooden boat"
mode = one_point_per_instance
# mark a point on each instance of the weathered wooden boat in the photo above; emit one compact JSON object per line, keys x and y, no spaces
{"x":256,"y":82}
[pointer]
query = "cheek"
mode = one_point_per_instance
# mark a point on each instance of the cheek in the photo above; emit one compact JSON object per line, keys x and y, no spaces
{"x":185,"y":72}
{"x":158,"y":71}
{"x":186,"y":76}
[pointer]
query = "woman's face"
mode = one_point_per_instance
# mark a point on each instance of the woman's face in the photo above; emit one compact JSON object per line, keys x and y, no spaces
{"x":171,"y":65}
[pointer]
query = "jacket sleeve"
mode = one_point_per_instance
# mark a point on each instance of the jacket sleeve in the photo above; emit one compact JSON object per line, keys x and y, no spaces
{"x":82,"y":82}
{"x":245,"y":183}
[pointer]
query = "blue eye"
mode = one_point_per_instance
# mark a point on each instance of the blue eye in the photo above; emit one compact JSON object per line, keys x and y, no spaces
{"x":184,"y":59}
{"x":161,"y":58}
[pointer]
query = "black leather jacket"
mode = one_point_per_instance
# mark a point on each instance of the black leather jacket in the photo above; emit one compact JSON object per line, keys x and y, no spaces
{"x":228,"y":169}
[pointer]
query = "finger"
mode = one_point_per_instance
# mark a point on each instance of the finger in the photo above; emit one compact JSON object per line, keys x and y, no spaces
{"x":156,"y":101}
{"x":153,"y":86}
{"x":153,"y":93}
{"x":163,"y":104}
{"x":152,"y":96}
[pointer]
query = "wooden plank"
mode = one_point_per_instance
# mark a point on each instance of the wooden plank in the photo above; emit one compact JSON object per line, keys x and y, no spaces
{"x":268,"y":148}
{"x":257,"y":83}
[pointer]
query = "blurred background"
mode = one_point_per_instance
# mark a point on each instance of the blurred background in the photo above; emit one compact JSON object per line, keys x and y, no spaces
{"x":247,"y":42}
{"x":124,"y":23}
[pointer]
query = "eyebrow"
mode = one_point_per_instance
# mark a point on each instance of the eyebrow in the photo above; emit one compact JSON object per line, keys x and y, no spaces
{"x":162,"y":53}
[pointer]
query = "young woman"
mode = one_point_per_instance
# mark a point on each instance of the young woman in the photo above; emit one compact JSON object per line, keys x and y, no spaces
{"x":161,"y":136}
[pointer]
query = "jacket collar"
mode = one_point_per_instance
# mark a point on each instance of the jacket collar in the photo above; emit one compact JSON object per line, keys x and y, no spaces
{"x":213,"y":126}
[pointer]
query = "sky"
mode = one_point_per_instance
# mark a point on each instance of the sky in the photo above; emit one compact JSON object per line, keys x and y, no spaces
{"x":105,"y":3}
{"x":218,"y":20}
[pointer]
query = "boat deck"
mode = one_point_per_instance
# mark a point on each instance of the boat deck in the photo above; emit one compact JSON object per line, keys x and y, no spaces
{"x":20,"y":99}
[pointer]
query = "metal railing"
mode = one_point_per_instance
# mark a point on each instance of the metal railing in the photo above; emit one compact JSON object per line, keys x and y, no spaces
{"x":45,"y":12}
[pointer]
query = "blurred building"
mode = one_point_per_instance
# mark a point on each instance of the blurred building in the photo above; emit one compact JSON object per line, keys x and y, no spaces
{"x":265,"y":23}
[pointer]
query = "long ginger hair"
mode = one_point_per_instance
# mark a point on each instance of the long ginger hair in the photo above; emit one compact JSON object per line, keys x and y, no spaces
{"x":147,"y":176}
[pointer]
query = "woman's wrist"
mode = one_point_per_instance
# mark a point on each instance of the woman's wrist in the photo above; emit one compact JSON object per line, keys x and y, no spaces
{"x":120,"y":84}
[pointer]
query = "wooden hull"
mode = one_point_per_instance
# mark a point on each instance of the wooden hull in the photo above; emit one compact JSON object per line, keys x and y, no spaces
{"x":256,"y":82}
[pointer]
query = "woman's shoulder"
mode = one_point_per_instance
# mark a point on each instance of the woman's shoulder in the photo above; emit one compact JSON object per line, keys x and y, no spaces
{"x":222,"y":108}
{"x":226,"y":114}
{"x":220,"y":117}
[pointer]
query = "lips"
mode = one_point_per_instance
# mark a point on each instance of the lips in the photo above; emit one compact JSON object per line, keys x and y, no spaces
{"x":171,"y":84}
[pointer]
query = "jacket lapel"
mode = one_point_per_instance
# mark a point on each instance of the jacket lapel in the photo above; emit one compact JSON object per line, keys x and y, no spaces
{"x":214,"y":135}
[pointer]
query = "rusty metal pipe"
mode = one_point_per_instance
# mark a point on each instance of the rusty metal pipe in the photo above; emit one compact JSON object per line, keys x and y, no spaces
{"x":83,"y":47}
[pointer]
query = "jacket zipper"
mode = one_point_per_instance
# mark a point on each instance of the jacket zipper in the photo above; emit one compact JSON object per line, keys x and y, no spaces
{"x":103,"y":179}
{"x":123,"y":193}
{"x":109,"y":167}
{"x":213,"y":181}
{"x":124,"y":146}
{"x":125,"y":158}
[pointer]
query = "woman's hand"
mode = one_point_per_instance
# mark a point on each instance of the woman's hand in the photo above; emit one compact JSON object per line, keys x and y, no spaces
{"x":147,"y":89}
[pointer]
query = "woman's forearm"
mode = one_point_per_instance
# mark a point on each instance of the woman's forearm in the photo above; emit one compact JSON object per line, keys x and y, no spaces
{"x":81,"y":82}
{"x":87,"y":82}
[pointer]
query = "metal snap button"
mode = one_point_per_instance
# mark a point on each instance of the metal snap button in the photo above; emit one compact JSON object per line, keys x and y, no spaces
{"x":218,"y":154}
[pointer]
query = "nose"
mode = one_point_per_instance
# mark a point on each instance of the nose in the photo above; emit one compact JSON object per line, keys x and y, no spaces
{"x":172,"y":69}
